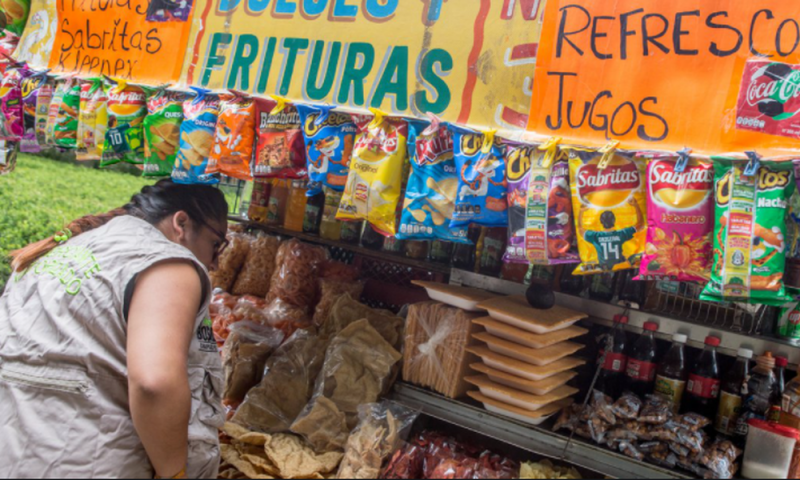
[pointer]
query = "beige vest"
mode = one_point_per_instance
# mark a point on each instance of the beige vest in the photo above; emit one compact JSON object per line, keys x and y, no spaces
{"x":64,"y":408}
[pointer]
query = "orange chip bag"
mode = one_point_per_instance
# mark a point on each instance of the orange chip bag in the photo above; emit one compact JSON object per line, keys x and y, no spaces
{"x":234,"y":138}
{"x":609,"y":205}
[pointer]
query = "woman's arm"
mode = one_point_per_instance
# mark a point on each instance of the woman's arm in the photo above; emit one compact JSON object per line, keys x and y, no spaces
{"x":161,"y":322}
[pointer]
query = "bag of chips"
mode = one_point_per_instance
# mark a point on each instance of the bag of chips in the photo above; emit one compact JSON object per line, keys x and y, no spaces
{"x":93,"y":98}
{"x":329,"y":138}
{"x":373,"y":187}
{"x":15,"y":13}
{"x":60,"y":89}
{"x":608,"y":202}
{"x":43,"y":101}
{"x":162,"y":128}
{"x":11,"y":124}
{"x":234,"y":138}
{"x":197,"y":137}
{"x":518,"y":174}
{"x":280,"y":152}
{"x":549,"y":222}
{"x":680,"y":206}
{"x":127,"y":107}
{"x":65,"y":132}
{"x":432,"y":185}
{"x":750,"y":231}
{"x":482,"y":189}
{"x":31,"y":86}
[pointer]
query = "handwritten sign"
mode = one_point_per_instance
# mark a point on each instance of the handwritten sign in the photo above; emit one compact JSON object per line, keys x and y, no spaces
{"x":660,"y":75}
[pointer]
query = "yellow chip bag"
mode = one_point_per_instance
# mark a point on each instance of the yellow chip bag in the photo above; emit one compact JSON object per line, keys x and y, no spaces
{"x":373,"y":186}
{"x":608,"y":199}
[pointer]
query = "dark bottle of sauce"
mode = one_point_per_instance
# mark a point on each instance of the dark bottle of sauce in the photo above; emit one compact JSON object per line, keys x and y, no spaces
{"x":370,"y":238}
{"x":441,"y":251}
{"x":464,"y":255}
{"x":758,"y":392}
{"x":730,"y":397}
{"x":671,"y":375}
{"x":491,"y":254}
{"x":702,"y":389}
{"x":780,"y":386}
{"x":641,"y":369}
{"x":611,"y":380}
{"x":602,"y":286}
{"x":571,"y":284}
{"x":631,"y":291}
{"x":313,"y":214}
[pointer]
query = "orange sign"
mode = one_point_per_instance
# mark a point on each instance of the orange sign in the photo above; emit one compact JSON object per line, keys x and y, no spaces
{"x":115,"y":38}
{"x":667,"y":75}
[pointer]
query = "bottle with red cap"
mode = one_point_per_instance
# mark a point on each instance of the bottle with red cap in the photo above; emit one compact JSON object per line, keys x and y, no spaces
{"x":642,"y":367}
{"x":611,"y":380}
{"x":702,"y":389}
{"x":780,"y":385}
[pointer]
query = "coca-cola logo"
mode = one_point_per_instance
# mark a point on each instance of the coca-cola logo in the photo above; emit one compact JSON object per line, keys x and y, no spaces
{"x":763,"y":87}
{"x":609,"y":187}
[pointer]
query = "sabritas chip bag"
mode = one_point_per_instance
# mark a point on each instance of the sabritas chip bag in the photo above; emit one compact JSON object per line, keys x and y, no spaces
{"x":609,"y":207}
{"x":281,"y":152}
{"x":11,"y":124}
{"x":162,"y":128}
{"x":329,"y":138}
{"x":482,"y":189}
{"x":680,"y":208}
{"x":197,"y":137}
{"x":750,"y":232}
{"x":234,"y":138}
{"x":93,"y":98}
{"x":43,"y":101}
{"x":31,"y":86}
{"x":376,"y":170}
{"x":127,"y":107}
{"x":65,"y":133}
{"x":60,"y":89}
{"x":432,"y":185}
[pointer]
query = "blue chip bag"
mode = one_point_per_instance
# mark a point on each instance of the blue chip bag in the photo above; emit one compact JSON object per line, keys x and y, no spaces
{"x":197,"y":138}
{"x":482,"y":188}
{"x":329,"y":137}
{"x":432,"y":185}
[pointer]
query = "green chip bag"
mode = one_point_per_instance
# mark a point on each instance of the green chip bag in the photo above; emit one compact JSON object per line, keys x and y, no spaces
{"x":65,"y":132}
{"x":750,"y":240}
{"x":16,"y":15}
{"x":162,"y":128}
{"x":127,"y":107}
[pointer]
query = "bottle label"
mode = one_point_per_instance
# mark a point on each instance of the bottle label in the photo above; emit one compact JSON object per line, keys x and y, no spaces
{"x":671,"y":389}
{"x":703,"y":387}
{"x":730,"y":407}
{"x":774,"y":414}
{"x":643,"y":371}
{"x":615,"y":362}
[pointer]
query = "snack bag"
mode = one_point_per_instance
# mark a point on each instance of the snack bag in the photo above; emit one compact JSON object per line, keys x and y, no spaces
{"x":162,"y":128}
{"x":61,"y":88}
{"x":93,"y":97}
{"x":197,"y":137}
{"x":549,"y":220}
{"x":329,"y":138}
{"x":15,"y":13}
{"x":679,"y":211}
{"x":11,"y":124}
{"x":518,"y":174}
{"x":432,"y":185}
{"x":8,"y":156}
{"x":280,"y":152}
{"x":127,"y":107}
{"x":43,"y":101}
{"x":65,"y":132}
{"x":609,"y":206}
{"x":234,"y":138}
{"x":31,"y":86}
{"x":374,"y":182}
{"x":750,"y":232}
{"x":482,"y":188}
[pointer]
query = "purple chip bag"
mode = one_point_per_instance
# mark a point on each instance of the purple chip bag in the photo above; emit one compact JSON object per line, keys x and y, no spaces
{"x":169,"y":10}
{"x":11,"y":125}
{"x":30,"y":96}
{"x":518,"y":171}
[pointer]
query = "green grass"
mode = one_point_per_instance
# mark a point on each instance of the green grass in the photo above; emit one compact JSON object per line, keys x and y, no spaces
{"x":41,"y":196}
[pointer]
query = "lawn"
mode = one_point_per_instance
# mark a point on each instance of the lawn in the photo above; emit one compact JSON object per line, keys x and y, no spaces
{"x":41,"y":196}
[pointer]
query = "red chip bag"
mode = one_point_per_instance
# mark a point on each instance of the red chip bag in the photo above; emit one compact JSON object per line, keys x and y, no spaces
{"x":280,"y":152}
{"x":234,"y":138}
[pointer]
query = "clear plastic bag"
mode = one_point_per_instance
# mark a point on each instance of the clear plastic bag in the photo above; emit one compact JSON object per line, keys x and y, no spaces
{"x":245,"y":354}
{"x":295,"y":277}
{"x":381,"y":429}
{"x":406,"y":463}
{"x":331,"y":290}
{"x":231,"y":262}
{"x":347,"y":310}
{"x":286,"y":317}
{"x":259,"y":266}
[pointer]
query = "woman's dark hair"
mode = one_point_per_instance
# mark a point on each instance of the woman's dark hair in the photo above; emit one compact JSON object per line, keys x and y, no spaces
{"x":153,"y":204}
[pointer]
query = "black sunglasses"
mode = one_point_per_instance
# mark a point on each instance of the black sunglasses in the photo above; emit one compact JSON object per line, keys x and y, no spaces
{"x":221,"y":244}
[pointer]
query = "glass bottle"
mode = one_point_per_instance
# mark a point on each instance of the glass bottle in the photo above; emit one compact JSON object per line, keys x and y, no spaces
{"x":702,"y":389}
{"x":671,"y":375}
{"x":730,"y":397}
{"x":611,"y":380}
{"x":641,"y":369}
{"x":759,"y":391}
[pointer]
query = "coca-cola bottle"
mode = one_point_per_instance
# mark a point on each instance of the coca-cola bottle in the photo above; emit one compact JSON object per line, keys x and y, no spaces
{"x":702,"y":390}
{"x":671,"y":376}
{"x":602,"y":286}
{"x":611,"y":380}
{"x":632,"y":292}
{"x":641,"y":369}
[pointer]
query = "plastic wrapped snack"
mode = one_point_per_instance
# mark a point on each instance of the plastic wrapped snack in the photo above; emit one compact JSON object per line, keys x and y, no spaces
{"x":65,"y":133}
{"x":234,"y":138}
{"x":16,"y":15}
{"x":245,"y":354}
{"x":627,"y":407}
{"x":59,"y":89}
{"x":11,"y":123}
{"x":656,"y":411}
{"x":406,"y":463}
{"x":221,"y":312}
{"x":331,"y":290}
{"x":519,"y":158}
{"x":294,"y":281}
{"x":31,"y":87}
{"x":381,"y":429}
{"x":259,"y":266}
{"x":162,"y":128}
{"x":329,"y":138}
{"x":280,"y":152}
{"x":288,"y":383}
{"x":482,"y":188}
{"x":93,"y":99}
{"x":358,"y":367}
{"x":608,"y":200}
{"x":8,"y":156}
{"x":231,"y":262}
{"x":127,"y":108}
{"x":373,"y":185}
{"x":546,"y":470}
{"x":197,"y":137}
{"x":750,"y":241}
{"x":346,"y":310}
{"x":42,"y":109}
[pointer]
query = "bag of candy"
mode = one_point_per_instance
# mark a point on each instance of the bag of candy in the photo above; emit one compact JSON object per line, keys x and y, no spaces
{"x":608,"y":201}
{"x":432,"y":185}
{"x":162,"y":128}
{"x":482,"y":188}
{"x":65,"y":133}
{"x":680,"y":206}
{"x":11,"y":123}
{"x":329,"y":138}
{"x":280,"y":152}
{"x":197,"y":137}
{"x":43,"y":101}
{"x":549,"y":231}
{"x":93,"y":98}
{"x":15,"y":15}
{"x":234,"y":138}
{"x":127,"y":107}
{"x":31,"y":86}
{"x":373,"y":184}
{"x":750,"y":231}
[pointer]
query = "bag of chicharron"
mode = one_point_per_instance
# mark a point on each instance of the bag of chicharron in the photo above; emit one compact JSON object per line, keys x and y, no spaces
{"x":750,"y":231}
{"x":608,"y":201}
{"x":680,"y":209}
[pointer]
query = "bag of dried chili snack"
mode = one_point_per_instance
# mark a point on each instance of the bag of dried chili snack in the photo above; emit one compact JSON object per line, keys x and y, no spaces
{"x":280,"y":152}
